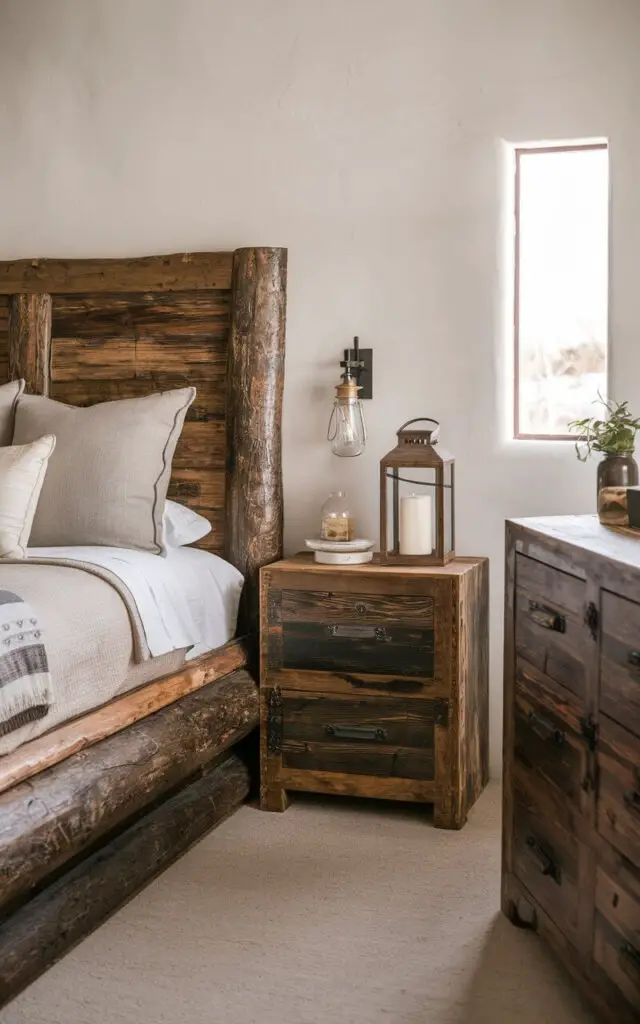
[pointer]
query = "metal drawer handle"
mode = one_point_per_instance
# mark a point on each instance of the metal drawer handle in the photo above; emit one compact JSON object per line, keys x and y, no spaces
{"x":634,"y":658}
{"x":356,"y":732}
{"x":629,"y":960}
{"x":632,"y":799}
{"x":359,"y":632}
{"x":546,"y":729}
{"x":545,"y":863}
{"x":547,"y":618}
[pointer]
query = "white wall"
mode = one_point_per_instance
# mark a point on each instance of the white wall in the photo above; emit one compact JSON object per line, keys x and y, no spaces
{"x":366,"y":136}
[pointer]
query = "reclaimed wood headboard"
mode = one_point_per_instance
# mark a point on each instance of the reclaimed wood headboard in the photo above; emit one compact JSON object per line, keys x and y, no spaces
{"x":85,"y":331}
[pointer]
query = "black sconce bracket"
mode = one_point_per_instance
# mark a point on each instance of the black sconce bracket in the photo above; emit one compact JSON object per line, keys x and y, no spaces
{"x":358,"y":364}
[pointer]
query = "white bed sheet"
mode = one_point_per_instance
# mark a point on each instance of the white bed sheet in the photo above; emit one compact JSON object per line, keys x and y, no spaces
{"x":186,"y":599}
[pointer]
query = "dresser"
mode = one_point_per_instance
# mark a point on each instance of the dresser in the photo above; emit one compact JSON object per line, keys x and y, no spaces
{"x":374,"y":682}
{"x":571,"y":824}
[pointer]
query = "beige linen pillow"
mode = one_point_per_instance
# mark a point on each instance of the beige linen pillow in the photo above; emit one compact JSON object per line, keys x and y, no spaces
{"x":8,"y":397}
{"x":107,"y":481}
{"x":22,"y":472}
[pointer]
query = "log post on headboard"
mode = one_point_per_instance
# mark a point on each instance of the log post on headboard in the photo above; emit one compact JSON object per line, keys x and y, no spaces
{"x":30,"y":341}
{"x":254,"y":506}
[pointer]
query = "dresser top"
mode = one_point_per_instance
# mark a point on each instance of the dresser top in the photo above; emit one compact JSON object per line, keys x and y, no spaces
{"x":618,"y":543}
{"x":304,"y":562}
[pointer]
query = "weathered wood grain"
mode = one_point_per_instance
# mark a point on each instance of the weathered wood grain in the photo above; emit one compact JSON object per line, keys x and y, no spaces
{"x":587,"y":975}
{"x":54,"y":920}
{"x":327,"y":606}
{"x":546,"y":854}
{"x":177,"y":272}
{"x":371,"y":682}
{"x":543,"y":594}
{"x":548,"y":736}
{"x":403,"y":650}
{"x":53,"y":817}
{"x":71,"y":737}
{"x":617,"y":937}
{"x":361,"y":759}
{"x":473,"y":672}
{"x":29,"y":341}
{"x":313,"y":716}
{"x":572,"y":773}
{"x":254,"y":437}
{"x":618,"y":819}
{"x":357,"y":683}
{"x":620,"y":661}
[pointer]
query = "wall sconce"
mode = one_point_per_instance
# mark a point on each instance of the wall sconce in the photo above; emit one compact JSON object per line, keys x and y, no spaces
{"x":347,"y":432}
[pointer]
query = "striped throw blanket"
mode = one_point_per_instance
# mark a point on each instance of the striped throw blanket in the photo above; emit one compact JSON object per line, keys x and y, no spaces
{"x":25,"y":681}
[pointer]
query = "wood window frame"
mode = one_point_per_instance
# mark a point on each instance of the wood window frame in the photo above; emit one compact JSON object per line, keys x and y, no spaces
{"x":521,"y":151}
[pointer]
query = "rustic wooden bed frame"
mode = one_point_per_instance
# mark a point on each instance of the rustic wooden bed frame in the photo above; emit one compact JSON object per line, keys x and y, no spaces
{"x":93,"y":810}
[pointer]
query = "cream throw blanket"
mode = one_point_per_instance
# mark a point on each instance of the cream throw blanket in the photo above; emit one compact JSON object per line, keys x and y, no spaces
{"x":25,"y":680}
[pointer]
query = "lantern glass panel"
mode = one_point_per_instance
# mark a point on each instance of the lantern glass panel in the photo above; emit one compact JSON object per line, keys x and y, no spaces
{"x":449,"y":539}
{"x":411,"y":509}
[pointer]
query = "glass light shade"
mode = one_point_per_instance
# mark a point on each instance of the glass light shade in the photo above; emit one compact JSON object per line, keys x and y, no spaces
{"x":347,"y":432}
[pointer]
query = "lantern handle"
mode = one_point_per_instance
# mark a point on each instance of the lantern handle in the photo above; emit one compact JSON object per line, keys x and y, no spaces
{"x":422,"y":419}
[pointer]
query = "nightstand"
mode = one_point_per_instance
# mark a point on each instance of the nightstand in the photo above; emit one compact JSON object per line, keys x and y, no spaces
{"x":374,"y":682}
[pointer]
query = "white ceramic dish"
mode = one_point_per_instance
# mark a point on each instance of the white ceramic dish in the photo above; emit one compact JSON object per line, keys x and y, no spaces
{"x":343,"y":557}
{"x":342,"y":546}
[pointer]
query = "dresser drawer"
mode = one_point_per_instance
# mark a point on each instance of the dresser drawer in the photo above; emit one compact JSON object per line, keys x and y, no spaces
{"x":618,"y":807}
{"x":620,"y":660}
{"x":325,"y":631}
{"x":616,"y":946}
{"x":391,"y":738}
{"x":546,"y":855}
{"x":549,"y":622}
{"x":548,"y":738}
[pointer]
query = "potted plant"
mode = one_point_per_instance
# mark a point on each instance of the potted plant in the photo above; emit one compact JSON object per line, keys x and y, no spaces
{"x":614,"y":437}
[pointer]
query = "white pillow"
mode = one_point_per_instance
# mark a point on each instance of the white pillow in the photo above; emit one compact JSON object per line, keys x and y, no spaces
{"x":22,"y":470}
{"x":182,"y":525}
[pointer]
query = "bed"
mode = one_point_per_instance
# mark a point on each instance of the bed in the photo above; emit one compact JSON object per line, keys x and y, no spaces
{"x":131,"y":770}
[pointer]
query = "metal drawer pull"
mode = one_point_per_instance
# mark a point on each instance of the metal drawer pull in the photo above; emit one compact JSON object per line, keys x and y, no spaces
{"x":547,"y":618}
{"x":629,"y":959}
{"x":545,"y":863}
{"x":359,"y":632}
{"x":632,"y":799}
{"x":356,"y":732}
{"x":634,"y":658}
{"x":546,"y":729}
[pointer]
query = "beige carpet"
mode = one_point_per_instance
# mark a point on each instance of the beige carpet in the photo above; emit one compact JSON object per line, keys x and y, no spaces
{"x":347,"y":912}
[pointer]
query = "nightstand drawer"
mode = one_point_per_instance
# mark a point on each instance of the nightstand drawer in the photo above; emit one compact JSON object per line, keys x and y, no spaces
{"x":325,"y":631}
{"x":390,"y":738}
{"x":381,"y":650}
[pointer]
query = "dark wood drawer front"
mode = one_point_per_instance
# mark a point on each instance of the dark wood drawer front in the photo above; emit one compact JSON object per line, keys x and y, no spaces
{"x":618,"y":809}
{"x":548,"y":736}
{"x":617,"y":934}
{"x":620,"y":661}
{"x":550,"y":608}
{"x":546,"y":857}
{"x":385,"y":648}
{"x":395,"y":738}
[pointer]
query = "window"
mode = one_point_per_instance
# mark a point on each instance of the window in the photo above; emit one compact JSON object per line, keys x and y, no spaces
{"x":561,"y":285}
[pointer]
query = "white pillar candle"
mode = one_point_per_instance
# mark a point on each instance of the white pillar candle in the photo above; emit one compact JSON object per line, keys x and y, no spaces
{"x":415,"y":525}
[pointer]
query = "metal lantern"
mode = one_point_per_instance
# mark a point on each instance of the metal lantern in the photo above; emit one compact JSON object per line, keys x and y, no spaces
{"x":417,"y":499}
